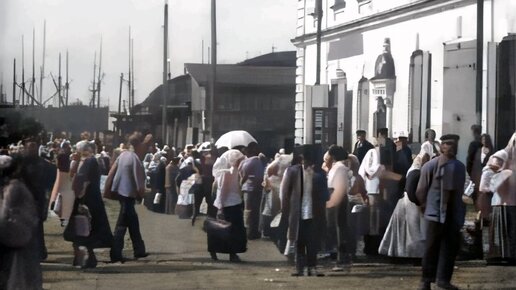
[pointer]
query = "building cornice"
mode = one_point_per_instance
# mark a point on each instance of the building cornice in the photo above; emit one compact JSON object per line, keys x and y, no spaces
{"x":399,"y":14}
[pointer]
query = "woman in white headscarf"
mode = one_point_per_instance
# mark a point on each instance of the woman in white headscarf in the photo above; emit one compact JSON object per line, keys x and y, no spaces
{"x":499,"y":177}
{"x":229,"y":203}
{"x":86,"y":186}
{"x":271,"y":183}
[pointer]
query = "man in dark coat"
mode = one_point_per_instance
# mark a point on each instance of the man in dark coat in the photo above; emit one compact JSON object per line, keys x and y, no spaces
{"x":19,"y":249}
{"x":304,"y":193}
{"x":39,"y":176}
{"x":362,"y":145}
{"x":402,"y":160}
{"x":439,"y":192}
{"x":387,"y":149}
{"x":403,"y":155}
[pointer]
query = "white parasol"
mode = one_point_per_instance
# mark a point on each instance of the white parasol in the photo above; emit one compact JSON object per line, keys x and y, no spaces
{"x":233,"y":139}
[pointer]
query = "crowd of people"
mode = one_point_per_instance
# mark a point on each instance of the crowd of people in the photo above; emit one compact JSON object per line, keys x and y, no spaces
{"x":310,"y":203}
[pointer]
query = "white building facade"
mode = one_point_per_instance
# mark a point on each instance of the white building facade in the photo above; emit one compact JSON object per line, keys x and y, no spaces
{"x":402,"y":64}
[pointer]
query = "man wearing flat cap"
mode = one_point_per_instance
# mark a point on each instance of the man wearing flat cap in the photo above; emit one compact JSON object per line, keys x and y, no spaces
{"x":362,"y":145}
{"x":439,"y":192}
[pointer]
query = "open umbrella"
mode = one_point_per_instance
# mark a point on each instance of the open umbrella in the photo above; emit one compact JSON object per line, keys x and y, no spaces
{"x":235,"y":138}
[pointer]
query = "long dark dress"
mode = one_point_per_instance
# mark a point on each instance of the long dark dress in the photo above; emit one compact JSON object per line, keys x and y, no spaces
{"x":237,"y":242}
{"x":101,"y":235}
{"x":502,"y":235}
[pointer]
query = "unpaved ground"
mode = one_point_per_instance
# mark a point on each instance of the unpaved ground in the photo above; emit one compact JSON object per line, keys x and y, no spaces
{"x":179,"y":260}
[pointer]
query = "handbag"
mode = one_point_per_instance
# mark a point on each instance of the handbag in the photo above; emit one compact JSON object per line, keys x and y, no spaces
{"x":220,"y":229}
{"x":276,"y":221}
{"x":184,"y":211}
{"x":82,"y":221}
{"x":106,"y":192}
{"x":157,"y":198}
{"x":58,"y":205}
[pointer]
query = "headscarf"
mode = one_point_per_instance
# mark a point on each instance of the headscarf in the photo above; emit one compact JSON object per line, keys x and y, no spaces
{"x":511,"y":147}
{"x":226,"y":162}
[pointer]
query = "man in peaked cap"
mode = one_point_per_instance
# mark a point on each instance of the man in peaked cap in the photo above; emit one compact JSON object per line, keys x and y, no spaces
{"x":362,"y":145}
{"x":439,"y":192}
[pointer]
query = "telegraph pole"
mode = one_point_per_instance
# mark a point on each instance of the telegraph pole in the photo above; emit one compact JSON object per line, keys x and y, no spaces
{"x":120,"y":93}
{"x":130,"y":75}
{"x":164,"y":130}
{"x":59,"y":83}
{"x":43,"y":62}
{"x":33,"y":80}
{"x":480,"y":60}
{"x":100,"y":75}
{"x":132,"y":68}
{"x":14,"y":82}
{"x":2,"y":91}
{"x":67,"y":84}
{"x":94,"y":87}
{"x":23,"y":72}
{"x":319,"y":14}
{"x":213,"y":78}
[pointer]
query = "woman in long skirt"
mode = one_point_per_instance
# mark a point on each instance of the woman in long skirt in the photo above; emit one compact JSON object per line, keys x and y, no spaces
{"x":499,"y":177}
{"x":229,"y":203}
{"x":86,"y":186}
{"x":172,"y":170}
{"x":63,"y":184}
{"x":404,"y":236}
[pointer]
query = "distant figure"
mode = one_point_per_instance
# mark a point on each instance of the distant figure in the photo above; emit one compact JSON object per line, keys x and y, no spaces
{"x":251,"y":173}
{"x":362,"y":145}
{"x":402,"y":161}
{"x":431,"y":146}
{"x":172,"y":170}
{"x":403,"y":155}
{"x":272,"y":181}
{"x":387,"y":149}
{"x":390,"y":188}
{"x":474,"y":166}
{"x":481,"y":158}
{"x":439,"y":192}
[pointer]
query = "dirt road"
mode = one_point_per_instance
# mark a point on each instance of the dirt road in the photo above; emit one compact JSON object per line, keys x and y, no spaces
{"x":179,"y":260}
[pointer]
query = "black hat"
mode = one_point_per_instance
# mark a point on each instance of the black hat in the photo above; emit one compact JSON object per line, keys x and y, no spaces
{"x":383,"y":131}
{"x":448,"y":137}
{"x":476,"y":128}
{"x":360,"y":132}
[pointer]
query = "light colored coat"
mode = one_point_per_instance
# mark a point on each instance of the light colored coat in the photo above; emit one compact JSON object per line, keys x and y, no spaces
{"x":129,"y":180}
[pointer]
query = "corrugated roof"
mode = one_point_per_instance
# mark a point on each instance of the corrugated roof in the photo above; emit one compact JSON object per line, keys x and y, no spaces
{"x":243,"y":75}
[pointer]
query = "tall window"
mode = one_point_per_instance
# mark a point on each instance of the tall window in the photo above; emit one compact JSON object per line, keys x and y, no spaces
{"x":419,"y":95}
{"x":363,"y":104}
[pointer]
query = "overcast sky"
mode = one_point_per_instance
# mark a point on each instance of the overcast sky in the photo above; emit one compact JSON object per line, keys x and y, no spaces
{"x":245,"y":27}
